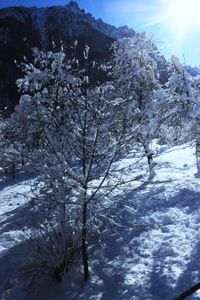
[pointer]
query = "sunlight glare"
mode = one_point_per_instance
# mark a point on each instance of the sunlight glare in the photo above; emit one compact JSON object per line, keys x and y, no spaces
{"x":184,"y":13}
{"x":180,"y":15}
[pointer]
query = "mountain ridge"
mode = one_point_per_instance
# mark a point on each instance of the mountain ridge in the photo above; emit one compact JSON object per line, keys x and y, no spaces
{"x":72,"y":7}
{"x":24,"y":28}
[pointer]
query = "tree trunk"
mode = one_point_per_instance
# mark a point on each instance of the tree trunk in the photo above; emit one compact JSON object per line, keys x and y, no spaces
{"x":148,"y":153}
{"x":13,"y":171}
{"x":84,"y":243}
{"x":198,"y":157}
{"x":149,"y":156}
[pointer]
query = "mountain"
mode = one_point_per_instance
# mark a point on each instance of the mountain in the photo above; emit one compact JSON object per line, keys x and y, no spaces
{"x":22,"y":29}
{"x":194,"y":71}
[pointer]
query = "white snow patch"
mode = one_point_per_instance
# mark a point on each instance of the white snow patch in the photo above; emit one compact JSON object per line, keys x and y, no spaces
{"x":148,"y":241}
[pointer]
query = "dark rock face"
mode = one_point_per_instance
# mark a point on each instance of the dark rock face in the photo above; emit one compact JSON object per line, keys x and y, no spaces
{"x":22,"y":29}
{"x":17,"y":36}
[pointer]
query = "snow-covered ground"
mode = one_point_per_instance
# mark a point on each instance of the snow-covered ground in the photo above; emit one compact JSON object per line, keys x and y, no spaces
{"x":147,"y":246}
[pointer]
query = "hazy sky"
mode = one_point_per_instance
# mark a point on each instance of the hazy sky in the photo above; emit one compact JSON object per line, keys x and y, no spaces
{"x":174,"y":24}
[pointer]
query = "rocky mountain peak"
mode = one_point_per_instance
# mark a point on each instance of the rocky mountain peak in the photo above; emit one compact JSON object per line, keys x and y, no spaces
{"x":73,"y":4}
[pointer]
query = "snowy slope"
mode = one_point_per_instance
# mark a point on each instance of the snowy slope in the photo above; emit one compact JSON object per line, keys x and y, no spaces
{"x":147,"y":247}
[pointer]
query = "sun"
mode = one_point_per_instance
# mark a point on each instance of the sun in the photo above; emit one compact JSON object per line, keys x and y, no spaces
{"x":184,"y":13}
{"x":181,"y":16}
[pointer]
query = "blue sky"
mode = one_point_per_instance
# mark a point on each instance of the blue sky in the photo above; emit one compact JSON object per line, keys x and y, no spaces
{"x":145,"y":15}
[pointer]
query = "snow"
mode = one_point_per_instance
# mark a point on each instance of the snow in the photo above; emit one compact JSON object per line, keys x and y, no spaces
{"x":12,"y":213}
{"x":147,"y":245}
{"x":176,"y":63}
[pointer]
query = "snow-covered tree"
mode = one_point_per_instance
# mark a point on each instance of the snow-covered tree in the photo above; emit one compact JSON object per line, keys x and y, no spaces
{"x":136,"y":73}
{"x":83,"y":133}
{"x":179,"y":109}
{"x":176,"y":104}
{"x":195,"y":120}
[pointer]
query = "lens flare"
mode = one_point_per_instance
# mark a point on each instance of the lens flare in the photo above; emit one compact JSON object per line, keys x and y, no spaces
{"x":181,"y":16}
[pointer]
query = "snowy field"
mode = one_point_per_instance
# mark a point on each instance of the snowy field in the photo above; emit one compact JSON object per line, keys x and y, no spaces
{"x":147,"y":246}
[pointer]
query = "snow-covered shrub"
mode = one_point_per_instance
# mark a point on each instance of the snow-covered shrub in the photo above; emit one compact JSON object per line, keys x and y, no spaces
{"x":53,"y":251}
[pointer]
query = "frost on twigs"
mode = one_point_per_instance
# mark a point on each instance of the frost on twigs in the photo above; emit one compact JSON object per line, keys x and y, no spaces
{"x":75,"y":132}
{"x":136,"y":74}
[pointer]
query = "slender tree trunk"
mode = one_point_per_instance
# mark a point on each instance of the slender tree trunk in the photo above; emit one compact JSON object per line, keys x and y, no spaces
{"x":148,"y":153}
{"x":198,"y":157}
{"x":13,"y":171}
{"x":85,"y":204}
{"x":149,"y":156}
{"x":84,"y":243}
